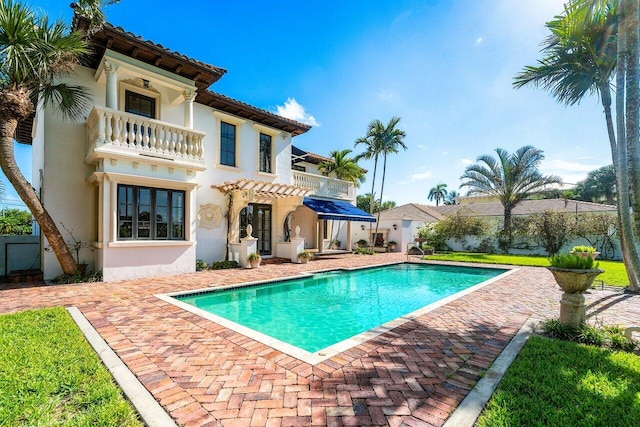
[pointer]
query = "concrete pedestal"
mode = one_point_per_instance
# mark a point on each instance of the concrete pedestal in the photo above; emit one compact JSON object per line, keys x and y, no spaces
{"x":572,"y":309}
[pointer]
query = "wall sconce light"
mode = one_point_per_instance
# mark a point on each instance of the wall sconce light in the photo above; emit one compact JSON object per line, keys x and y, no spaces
{"x":395,"y":227}
{"x":362,"y":227}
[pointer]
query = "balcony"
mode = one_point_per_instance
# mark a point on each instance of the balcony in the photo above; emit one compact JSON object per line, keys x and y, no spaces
{"x":116,"y":134}
{"x":325,"y":186}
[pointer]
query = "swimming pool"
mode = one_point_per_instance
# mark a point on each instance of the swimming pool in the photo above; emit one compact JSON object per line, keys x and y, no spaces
{"x":316,"y":312}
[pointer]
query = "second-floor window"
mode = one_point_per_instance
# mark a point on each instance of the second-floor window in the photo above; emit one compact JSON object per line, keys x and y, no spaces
{"x":150,"y":213}
{"x":141,"y":105}
{"x":265,"y":153}
{"x":227,"y":144}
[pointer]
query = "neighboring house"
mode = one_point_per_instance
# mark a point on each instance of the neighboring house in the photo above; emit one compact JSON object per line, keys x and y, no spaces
{"x":399,"y":225}
{"x":163,"y":171}
{"x":526,"y":207}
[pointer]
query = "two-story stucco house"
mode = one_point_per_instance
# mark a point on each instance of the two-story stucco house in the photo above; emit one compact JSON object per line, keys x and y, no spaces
{"x":164,"y":171}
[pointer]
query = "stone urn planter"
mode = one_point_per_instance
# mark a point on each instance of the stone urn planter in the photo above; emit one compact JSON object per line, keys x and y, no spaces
{"x":254,"y":260}
{"x":304,"y":257}
{"x":573,"y":282}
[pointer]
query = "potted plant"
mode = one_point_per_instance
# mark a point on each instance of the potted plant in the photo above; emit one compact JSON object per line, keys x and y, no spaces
{"x":392,"y":245}
{"x":334,"y":244}
{"x":305,"y":256}
{"x":585,"y":251}
{"x":574,"y":274}
{"x":254,"y":259}
{"x":362,"y":243}
{"x":428,"y":249}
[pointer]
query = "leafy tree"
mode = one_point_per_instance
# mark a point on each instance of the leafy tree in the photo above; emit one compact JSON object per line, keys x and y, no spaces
{"x":590,"y":43}
{"x":510,"y":178}
{"x":363,"y":201}
{"x":438,"y":193}
{"x":35,"y":56}
{"x":599,"y":184}
{"x":457,"y":226}
{"x":386,"y":205}
{"x":15,"y":222}
{"x":552,"y":229}
{"x":380,"y":140}
{"x":344,"y":167}
{"x":599,"y":229}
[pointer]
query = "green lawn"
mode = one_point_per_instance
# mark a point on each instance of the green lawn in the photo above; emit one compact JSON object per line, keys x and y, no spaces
{"x":50,"y":375}
{"x":614,"y":272}
{"x":559,"y":383}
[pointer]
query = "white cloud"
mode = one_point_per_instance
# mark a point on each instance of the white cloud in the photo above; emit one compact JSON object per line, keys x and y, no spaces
{"x":563,"y":165}
{"x":294,"y":111}
{"x":466,"y":162}
{"x":419,"y":176}
{"x":479,"y":41}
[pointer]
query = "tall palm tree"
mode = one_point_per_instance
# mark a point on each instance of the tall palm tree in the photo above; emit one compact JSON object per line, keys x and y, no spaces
{"x":35,"y":55}
{"x":438,"y":193}
{"x":588,"y":45}
{"x":510,"y":178}
{"x":344,"y":167}
{"x":381,"y":140}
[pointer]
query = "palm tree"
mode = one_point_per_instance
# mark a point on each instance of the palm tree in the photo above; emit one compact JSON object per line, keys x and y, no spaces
{"x":36,"y":55}
{"x":510,"y":178}
{"x":590,"y":43}
{"x":438,"y":193}
{"x":381,"y":140}
{"x":451,"y":198}
{"x":345,"y":168}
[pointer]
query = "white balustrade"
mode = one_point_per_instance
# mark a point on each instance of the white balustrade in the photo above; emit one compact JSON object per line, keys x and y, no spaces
{"x":324,"y":186}
{"x":116,"y":128}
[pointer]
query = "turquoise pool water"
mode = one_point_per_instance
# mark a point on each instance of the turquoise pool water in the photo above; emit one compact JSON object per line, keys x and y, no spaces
{"x":319,"y":311}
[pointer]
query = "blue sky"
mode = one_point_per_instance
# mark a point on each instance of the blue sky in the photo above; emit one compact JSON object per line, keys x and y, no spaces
{"x":445,"y":67}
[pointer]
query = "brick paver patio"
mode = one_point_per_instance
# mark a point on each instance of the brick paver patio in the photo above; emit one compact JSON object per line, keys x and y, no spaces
{"x":414,"y":375}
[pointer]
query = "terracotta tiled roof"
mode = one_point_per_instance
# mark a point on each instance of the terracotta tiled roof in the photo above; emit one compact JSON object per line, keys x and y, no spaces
{"x":244,"y":110}
{"x":527,"y":207}
{"x":411,"y":211}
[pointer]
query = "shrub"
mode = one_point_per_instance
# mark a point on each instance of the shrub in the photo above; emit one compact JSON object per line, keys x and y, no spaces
{"x":223,"y":265}
{"x":66,"y":279}
{"x":305,"y":255}
{"x":363,"y":251}
{"x":573,"y":262}
{"x":201,"y":265}
{"x":599,"y":336}
{"x":254,"y":256}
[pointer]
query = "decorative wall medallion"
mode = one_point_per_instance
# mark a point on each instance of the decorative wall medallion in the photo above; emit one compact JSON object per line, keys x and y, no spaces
{"x":209,"y":216}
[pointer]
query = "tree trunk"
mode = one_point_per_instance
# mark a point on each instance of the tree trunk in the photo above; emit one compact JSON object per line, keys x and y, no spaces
{"x":29,"y":197}
{"x":628,"y":239}
{"x":631,"y":108}
{"x":384,"y":171}
{"x":371,"y":199}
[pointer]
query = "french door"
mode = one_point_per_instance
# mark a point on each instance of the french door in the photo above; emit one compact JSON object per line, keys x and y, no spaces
{"x":259,"y":216}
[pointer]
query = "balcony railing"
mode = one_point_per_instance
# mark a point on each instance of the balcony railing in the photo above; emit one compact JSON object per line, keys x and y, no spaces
{"x":324,"y":186}
{"x":111,"y":128}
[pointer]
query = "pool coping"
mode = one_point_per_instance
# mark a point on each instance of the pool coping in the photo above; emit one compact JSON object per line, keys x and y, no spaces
{"x":315,"y":358}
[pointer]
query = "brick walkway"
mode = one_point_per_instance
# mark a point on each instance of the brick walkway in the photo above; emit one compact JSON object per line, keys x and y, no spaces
{"x":414,"y":375}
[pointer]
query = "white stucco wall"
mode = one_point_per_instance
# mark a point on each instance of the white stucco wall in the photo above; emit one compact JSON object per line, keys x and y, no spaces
{"x":69,"y":199}
{"x":72,"y":200}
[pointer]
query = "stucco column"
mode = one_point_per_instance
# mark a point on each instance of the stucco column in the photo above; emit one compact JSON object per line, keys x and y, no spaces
{"x":189,"y":96}
{"x":113,"y":211}
{"x":240,"y":199}
{"x":111,"y":69}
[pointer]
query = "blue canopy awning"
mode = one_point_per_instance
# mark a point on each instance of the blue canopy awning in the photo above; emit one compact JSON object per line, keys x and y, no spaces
{"x":342,"y":211}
